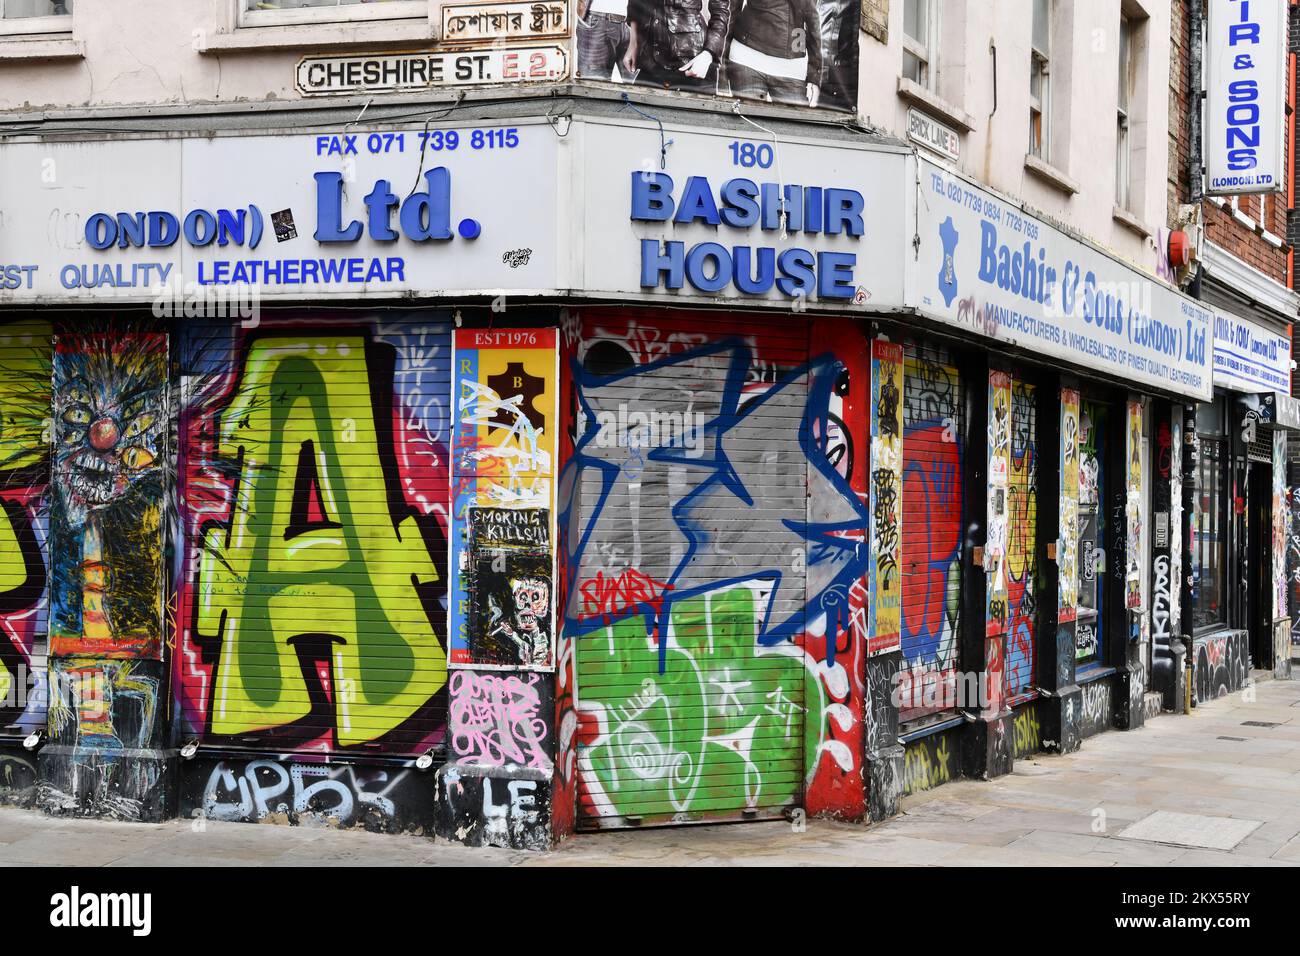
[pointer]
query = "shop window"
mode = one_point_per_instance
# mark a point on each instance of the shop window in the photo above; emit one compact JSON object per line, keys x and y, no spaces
{"x":1210,"y":521}
{"x":254,"y":13}
{"x":1092,"y":538}
{"x":35,"y":16}
{"x":920,"y":41}
{"x":1040,"y":85}
{"x":1127,"y":76}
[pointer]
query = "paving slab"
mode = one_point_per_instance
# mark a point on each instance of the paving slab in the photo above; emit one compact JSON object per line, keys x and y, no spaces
{"x":1109,"y":804}
{"x":1192,"y":830}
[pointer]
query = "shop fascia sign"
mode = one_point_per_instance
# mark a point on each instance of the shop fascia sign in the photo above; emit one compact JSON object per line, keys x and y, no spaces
{"x":753,"y":214}
{"x":455,"y":210}
{"x":379,"y":212}
{"x":1249,"y":357}
{"x":421,"y":216}
{"x":721,"y":217}
{"x":986,"y":265}
{"x":1245,"y":66}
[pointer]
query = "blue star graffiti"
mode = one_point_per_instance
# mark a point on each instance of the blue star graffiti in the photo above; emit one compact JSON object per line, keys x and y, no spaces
{"x":719,"y":478}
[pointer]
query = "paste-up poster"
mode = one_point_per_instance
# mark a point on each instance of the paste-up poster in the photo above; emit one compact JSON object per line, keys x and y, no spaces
{"x":502,"y":594}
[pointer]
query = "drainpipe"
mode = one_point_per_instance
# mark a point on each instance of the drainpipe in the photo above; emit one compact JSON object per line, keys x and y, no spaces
{"x":1190,"y":450}
{"x":1194,"y":95}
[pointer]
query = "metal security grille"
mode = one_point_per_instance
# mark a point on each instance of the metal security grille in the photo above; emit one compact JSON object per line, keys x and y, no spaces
{"x":933,"y":430}
{"x":691,"y":701}
{"x":25,"y":368}
{"x":315,"y":473}
{"x":1022,"y":562}
{"x":1261,"y":449}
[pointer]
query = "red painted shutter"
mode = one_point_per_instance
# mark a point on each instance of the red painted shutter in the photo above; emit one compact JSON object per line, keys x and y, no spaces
{"x":932,"y":530}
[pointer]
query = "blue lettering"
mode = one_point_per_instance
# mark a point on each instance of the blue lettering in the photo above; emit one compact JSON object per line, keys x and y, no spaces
{"x":652,"y":199}
{"x":739,"y":203}
{"x":670,"y":264}
{"x":747,"y":281}
{"x":697,"y":203}
{"x":329,"y":211}
{"x":797,"y":275}
{"x":697,"y":271}
{"x":427,"y":215}
{"x":835,"y":275}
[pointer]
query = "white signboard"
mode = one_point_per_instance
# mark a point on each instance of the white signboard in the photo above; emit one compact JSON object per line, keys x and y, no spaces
{"x":334,"y":214}
{"x":507,"y":19}
{"x":932,"y":134}
{"x":386,"y":72}
{"x":1245,"y":79}
{"x":456,"y":210}
{"x":987,"y":266}
{"x":697,"y":216}
{"x":1249,"y":357}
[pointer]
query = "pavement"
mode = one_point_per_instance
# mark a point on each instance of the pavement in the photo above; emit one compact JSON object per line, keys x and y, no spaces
{"x":1220,"y":787}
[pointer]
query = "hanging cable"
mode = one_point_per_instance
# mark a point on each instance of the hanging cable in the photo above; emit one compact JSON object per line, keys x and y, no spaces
{"x":663,"y":142}
{"x":424,"y":138}
{"x":776,"y":158}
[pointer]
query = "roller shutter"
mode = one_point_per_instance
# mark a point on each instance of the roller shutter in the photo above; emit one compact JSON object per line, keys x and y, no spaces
{"x":316,"y":457}
{"x":26,"y":348}
{"x":933,"y":429}
{"x":710,"y":724}
{"x":1022,"y":528}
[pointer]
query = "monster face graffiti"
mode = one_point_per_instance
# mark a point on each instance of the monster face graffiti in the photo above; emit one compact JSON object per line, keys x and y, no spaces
{"x":110,"y":427}
{"x":107,"y":439}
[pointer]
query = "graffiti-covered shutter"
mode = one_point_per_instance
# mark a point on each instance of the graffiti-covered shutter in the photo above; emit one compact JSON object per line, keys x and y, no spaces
{"x":689,"y":564}
{"x":1022,"y":509}
{"x":315,"y":490}
{"x":932,"y":531}
{"x":25,"y":368}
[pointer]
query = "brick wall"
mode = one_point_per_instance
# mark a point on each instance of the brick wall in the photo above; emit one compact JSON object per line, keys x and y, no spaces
{"x":875,"y":19}
{"x":1179,"y":130}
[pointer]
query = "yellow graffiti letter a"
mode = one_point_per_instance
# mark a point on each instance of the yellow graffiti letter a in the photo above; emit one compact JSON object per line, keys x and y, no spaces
{"x":312,"y":550}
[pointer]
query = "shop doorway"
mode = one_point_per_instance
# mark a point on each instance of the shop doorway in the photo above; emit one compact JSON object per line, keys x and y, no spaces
{"x":1259,"y":564}
{"x":1093,"y":485}
{"x":691,"y":581}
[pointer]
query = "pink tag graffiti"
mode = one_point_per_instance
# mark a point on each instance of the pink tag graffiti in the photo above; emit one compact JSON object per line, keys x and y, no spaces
{"x":497,"y":720}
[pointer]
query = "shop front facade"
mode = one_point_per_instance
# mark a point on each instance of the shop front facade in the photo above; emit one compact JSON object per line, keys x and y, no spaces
{"x":1072,"y":528}
{"x":592,"y":472}
{"x":1237,"y":463}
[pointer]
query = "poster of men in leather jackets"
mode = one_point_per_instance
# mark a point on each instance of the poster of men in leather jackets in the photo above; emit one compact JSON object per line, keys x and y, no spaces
{"x":797,"y":52}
